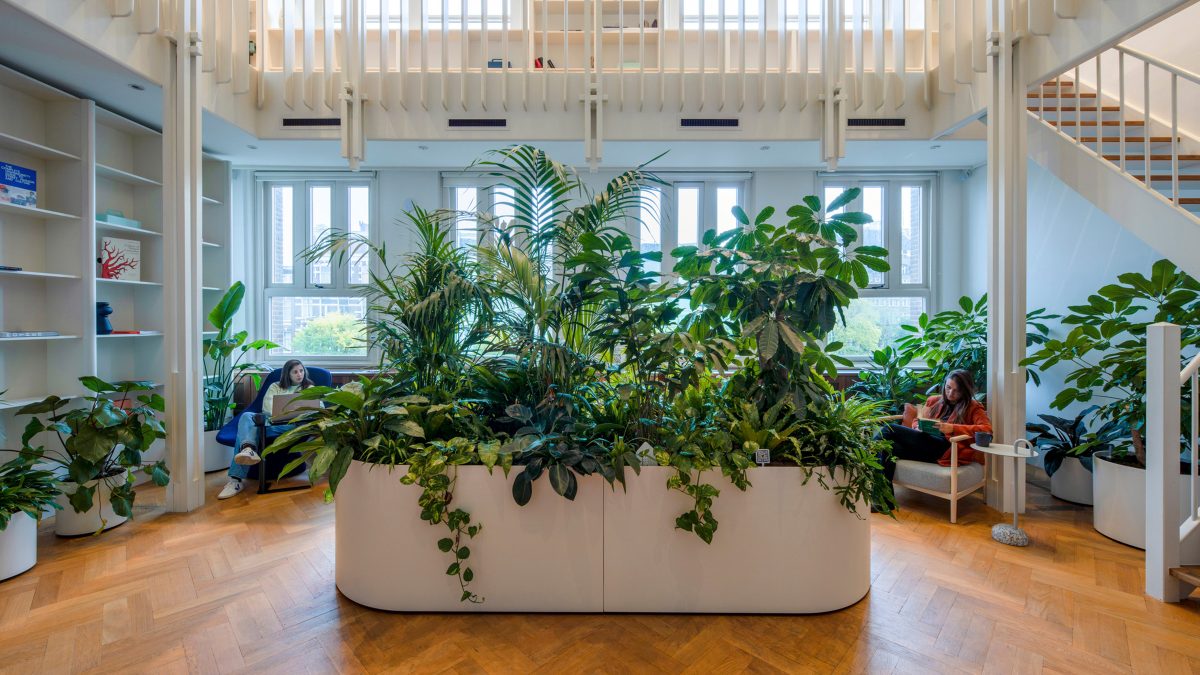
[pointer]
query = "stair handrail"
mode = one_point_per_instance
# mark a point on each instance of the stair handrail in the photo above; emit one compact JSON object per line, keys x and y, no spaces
{"x":1155,"y":61}
{"x":1164,"y":402}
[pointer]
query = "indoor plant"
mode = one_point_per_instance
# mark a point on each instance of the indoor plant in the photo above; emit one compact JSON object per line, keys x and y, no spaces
{"x":25,"y":493}
{"x":1067,"y":447}
{"x":224,"y":363}
{"x":99,"y":447}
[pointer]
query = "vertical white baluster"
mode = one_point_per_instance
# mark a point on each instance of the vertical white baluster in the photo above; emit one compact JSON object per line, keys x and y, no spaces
{"x":308,"y":19}
{"x":224,"y":45}
{"x":289,"y":52}
{"x":964,"y":32}
{"x":424,"y":50}
{"x":329,"y":66}
{"x":148,"y":17}
{"x":741,"y":38}
{"x":802,"y":65}
{"x":261,"y":52}
{"x":762,"y":54}
{"x":241,"y":46}
{"x":404,"y":56}
{"x":1121,"y":107}
{"x":1146,"y":109}
{"x":682,"y":62}
{"x":703,"y":66}
{"x":1162,"y":460}
{"x":1174,"y":139}
{"x":120,"y":8}
{"x":1078,"y":111}
{"x":722,"y":50}
{"x":859,"y":54}
{"x":504,"y":28}
{"x":485,"y":54}
{"x":1194,"y":445}
{"x":208,"y":35}
{"x":781,"y":37}
{"x":927,"y":53}
{"x":899,"y":38}
{"x":545,"y":51}
{"x":567,"y":51}
{"x":879,"y":51}
{"x":385,"y":50}
{"x":1099,"y":106}
{"x":620,"y":53}
{"x":464,"y":48}
{"x":979,"y":36}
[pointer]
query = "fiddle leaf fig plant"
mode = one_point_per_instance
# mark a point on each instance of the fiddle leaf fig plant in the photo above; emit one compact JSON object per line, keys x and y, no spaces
{"x":99,"y":442}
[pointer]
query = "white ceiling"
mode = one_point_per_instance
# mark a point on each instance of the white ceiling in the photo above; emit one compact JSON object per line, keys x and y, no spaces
{"x":44,"y":52}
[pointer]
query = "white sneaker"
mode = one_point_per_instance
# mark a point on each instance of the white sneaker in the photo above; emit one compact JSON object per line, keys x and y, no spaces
{"x":247,"y":457}
{"x":231,"y":488}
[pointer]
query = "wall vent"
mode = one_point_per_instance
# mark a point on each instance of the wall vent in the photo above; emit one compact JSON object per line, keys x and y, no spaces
{"x":309,"y":122}
{"x":877,"y":122}
{"x":709,"y":122}
{"x":489,"y":123}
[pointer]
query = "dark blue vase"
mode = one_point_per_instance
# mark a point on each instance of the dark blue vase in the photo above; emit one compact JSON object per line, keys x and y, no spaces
{"x":103,"y":325}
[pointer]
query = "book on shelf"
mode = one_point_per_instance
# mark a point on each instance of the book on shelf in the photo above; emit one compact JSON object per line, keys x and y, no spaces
{"x":115,"y":217}
{"x":28,"y":333}
{"x":18,"y":185}
{"x":136,"y":332}
{"x":11,"y":268}
{"x":120,"y":259}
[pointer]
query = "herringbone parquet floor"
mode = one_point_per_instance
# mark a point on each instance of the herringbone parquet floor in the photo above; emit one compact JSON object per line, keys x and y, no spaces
{"x":247,"y":585}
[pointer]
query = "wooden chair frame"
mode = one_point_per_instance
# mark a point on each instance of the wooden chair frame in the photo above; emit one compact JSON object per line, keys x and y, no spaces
{"x":955,"y":492}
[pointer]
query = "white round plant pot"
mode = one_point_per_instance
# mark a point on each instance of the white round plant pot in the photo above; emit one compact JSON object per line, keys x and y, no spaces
{"x":1120,"y":506}
{"x":18,"y":545}
{"x":216,"y":456}
{"x":1072,"y":482}
{"x":68,"y":523}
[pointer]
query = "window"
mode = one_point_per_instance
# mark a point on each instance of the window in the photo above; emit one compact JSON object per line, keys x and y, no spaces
{"x":315,"y":310}
{"x":679,"y":213}
{"x":900,"y":207}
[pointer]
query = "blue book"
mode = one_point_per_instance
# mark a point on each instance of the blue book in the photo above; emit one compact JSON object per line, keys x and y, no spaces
{"x":18,"y":185}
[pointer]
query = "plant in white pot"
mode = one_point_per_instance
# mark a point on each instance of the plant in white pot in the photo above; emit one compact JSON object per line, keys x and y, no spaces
{"x":98,"y":448}
{"x":1067,"y":448}
{"x":25,"y":493}
{"x":224,"y":361}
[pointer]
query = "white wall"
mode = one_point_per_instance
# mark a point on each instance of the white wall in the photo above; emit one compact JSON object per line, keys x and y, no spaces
{"x":1074,"y":249}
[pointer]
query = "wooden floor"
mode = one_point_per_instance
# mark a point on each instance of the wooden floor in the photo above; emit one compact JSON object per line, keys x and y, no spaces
{"x":247,"y":585}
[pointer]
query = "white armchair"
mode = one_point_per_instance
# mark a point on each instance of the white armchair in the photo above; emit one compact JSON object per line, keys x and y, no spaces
{"x":948,"y":482}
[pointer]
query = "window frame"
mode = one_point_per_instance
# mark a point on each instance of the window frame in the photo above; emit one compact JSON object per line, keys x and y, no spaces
{"x":668,"y":217}
{"x":893,"y":286}
{"x":302,"y":285}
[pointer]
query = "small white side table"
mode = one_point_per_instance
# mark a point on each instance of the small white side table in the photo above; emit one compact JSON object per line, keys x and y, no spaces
{"x":1004,"y":533}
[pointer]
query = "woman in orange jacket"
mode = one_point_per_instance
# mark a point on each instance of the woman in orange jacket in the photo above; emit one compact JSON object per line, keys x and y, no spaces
{"x":958,"y":414}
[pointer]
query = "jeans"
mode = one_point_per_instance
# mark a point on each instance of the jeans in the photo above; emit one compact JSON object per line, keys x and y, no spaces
{"x":247,"y":435}
{"x":910,"y":444}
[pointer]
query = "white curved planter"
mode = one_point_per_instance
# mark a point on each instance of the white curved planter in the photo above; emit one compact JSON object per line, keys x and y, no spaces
{"x":606,"y":551}
{"x":781,"y":547}
{"x":68,"y":523}
{"x":1072,"y":482}
{"x":18,"y":545}
{"x":1120,"y":509}
{"x":216,"y":456}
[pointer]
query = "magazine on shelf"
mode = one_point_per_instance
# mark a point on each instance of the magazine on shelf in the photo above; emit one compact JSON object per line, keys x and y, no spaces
{"x":28,"y":333}
{"x":18,"y":185}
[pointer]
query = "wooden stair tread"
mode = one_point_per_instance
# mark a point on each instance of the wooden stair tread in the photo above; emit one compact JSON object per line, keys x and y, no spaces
{"x":1167,"y":177}
{"x":1128,"y":139}
{"x":1065,"y":94}
{"x":1092,"y":123}
{"x":1153,"y":158}
{"x":1188,"y":573}
{"x":1082,"y":108}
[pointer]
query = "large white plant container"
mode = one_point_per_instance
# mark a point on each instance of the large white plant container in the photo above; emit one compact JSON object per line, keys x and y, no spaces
{"x":781,"y":547}
{"x":68,"y":523}
{"x":216,"y":456}
{"x":545,"y":556}
{"x":1120,"y":509}
{"x":18,"y":545}
{"x":1072,"y":482}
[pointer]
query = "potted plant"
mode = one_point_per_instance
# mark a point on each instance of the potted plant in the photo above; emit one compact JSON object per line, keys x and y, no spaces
{"x":224,"y":364}
{"x":99,"y":447}
{"x":1105,"y":354}
{"x":25,"y":493}
{"x":890,"y":380}
{"x":1067,"y":447}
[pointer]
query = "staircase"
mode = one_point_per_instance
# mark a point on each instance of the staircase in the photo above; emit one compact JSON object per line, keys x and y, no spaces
{"x":1120,"y":135}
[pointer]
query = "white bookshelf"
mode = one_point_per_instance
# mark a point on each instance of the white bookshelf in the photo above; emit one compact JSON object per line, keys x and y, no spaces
{"x":128,"y":172}
{"x":217,"y":215}
{"x":49,"y":132}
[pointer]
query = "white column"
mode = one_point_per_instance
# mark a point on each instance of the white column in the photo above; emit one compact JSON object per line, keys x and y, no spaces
{"x":1163,"y":389}
{"x":182,"y":282}
{"x":1007,"y":138}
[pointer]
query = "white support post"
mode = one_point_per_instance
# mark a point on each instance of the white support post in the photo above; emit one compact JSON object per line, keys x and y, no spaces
{"x":1162,"y":465}
{"x":182,"y":236}
{"x":1007,"y":140}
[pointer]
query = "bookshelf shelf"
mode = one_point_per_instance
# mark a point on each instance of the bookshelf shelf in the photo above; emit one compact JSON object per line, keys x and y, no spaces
{"x":129,"y":282}
{"x":27,"y":147}
{"x":35,"y":212}
{"x":26,"y":274}
{"x":126,"y":177}
{"x":42,"y":338}
{"x":102,"y":226}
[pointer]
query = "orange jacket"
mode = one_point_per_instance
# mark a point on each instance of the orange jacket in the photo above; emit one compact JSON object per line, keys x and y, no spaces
{"x":976,"y":420}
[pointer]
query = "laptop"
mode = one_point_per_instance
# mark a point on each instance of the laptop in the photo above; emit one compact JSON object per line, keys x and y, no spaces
{"x":285,"y":406}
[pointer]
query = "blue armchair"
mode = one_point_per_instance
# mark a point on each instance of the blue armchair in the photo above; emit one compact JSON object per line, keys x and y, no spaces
{"x":271,"y":465}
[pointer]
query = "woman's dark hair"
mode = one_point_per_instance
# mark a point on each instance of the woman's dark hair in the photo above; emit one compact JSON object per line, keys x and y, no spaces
{"x":285,"y":378}
{"x":966,"y":390}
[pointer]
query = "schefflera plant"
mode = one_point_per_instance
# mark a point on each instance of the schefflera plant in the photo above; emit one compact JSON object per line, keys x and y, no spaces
{"x":774,"y":292}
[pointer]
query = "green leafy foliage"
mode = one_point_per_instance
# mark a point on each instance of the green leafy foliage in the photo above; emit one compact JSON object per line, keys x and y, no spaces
{"x":101,"y":441}
{"x":890,"y":380}
{"x":1059,"y":438}
{"x":25,"y":489}
{"x":1105,"y":348}
{"x":225,"y":357}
